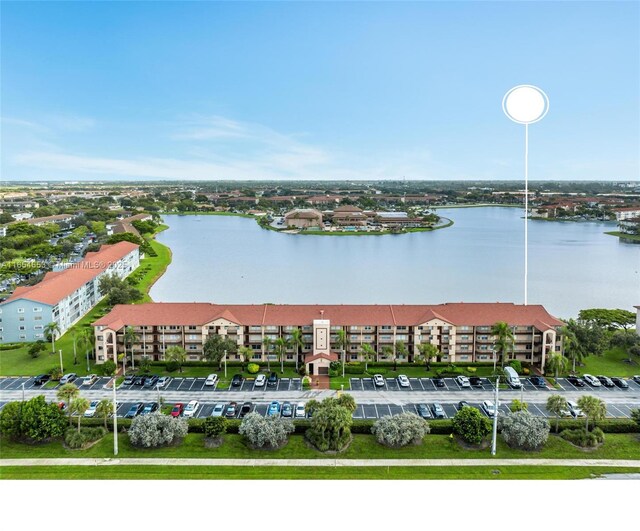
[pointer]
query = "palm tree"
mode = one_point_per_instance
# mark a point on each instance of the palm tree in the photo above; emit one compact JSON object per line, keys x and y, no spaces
{"x":571,"y":347}
{"x":268,"y":345}
{"x":51,"y":330}
{"x":297,"y":343}
{"x":74,"y":337}
{"x":281,"y":344}
{"x":67,"y":393}
{"x":427,"y":353}
{"x":86,"y":341}
{"x":245,"y":355}
{"x":368,"y":353}
{"x":593,"y":408}
{"x":503,"y":342}
{"x":557,"y":404}
{"x":344,"y":342}
{"x":129,"y":338}
{"x":177,"y":354}
{"x":557,"y":363}
{"x":389,"y":352}
{"x":104,"y":409}
{"x":400,"y":350}
{"x":79,"y":405}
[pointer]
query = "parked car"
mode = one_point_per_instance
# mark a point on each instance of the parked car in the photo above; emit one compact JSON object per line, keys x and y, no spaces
{"x":573,"y":410}
{"x":272,"y":381}
{"x":245,"y":409}
{"x":128,"y":380}
{"x":592,"y":380}
{"x":489,"y":408}
{"x":236,"y":381}
{"x":68,"y":378}
{"x":212,"y":379}
{"x":403,"y":381}
{"x":274,"y":409}
{"x":423,"y":411}
{"x":139,"y":380}
{"x":636,"y":379}
{"x":177,"y":409}
{"x":191,"y":409}
{"x":41,"y":379}
{"x":438,"y":382}
{"x":463,"y":381}
{"x":151,"y":381}
{"x":134,"y":410}
{"x":90,"y":380}
{"x":538,"y":381}
{"x":574,"y":380}
{"x":476,"y":381}
{"x":512,"y":378}
{"x":163,"y":381}
{"x":463,"y":403}
{"x":606,"y":381}
{"x":437,"y":411}
{"x":62,"y":406}
{"x":149,"y":408}
{"x":287,"y":410}
{"x":218,"y":409}
{"x":619,"y":382}
{"x":92,"y":408}
{"x":260,"y":380}
{"x":232,"y":410}
{"x":378,"y":380}
{"x":300,"y":410}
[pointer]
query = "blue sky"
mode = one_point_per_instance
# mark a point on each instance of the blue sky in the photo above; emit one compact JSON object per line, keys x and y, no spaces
{"x":164,"y":90}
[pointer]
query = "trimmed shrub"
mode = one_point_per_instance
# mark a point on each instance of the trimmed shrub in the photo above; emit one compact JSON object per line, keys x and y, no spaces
{"x":470,"y":425}
{"x":581,"y":437}
{"x":400,"y":430}
{"x":354,"y":367}
{"x":107,"y":368}
{"x":214,"y":427}
{"x":253,"y":368}
{"x":77,"y":439}
{"x":524,"y":431}
{"x":151,"y":431}
{"x":172,"y":366}
{"x":267,"y":433}
{"x":516,"y":365}
{"x":32,"y":421}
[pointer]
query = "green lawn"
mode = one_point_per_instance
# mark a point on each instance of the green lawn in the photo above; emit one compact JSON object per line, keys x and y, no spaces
{"x":624,"y":236}
{"x":610,"y":364}
{"x":272,"y":472}
{"x":617,"y":446}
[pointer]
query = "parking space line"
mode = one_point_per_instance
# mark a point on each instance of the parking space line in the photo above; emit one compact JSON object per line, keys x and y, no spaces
{"x":620,"y":411}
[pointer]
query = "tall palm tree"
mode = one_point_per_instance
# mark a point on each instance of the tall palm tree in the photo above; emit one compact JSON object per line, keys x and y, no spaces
{"x":557,"y":404}
{"x":74,"y":337}
{"x":129,"y":339}
{"x":245,"y":355}
{"x":67,"y":393}
{"x":593,"y":408}
{"x":104,"y":409}
{"x":268,"y":345}
{"x":281,"y":344}
{"x":389,"y":352}
{"x":400,"y":350}
{"x":51,"y":330}
{"x":344,"y":342}
{"x":177,"y":354}
{"x":297,"y":343}
{"x":571,"y":348}
{"x":503,"y":339}
{"x":368,"y":353}
{"x":557,"y":363}
{"x":86,"y":341}
{"x":79,"y":405}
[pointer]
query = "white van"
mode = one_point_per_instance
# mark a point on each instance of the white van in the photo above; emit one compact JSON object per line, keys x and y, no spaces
{"x":512,"y":377}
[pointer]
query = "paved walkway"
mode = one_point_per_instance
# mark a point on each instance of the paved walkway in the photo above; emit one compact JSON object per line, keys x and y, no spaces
{"x":630,"y":463}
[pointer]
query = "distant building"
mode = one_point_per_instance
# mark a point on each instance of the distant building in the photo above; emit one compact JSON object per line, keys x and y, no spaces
{"x":349,"y":216}
{"x":63,"y":297}
{"x":627,"y":213}
{"x":303,"y":218}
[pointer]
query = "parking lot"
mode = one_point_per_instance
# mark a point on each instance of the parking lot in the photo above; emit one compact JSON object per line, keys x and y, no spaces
{"x":15,"y":383}
{"x":198,"y":384}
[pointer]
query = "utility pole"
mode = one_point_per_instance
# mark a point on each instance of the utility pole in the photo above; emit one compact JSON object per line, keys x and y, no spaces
{"x":495,"y":420}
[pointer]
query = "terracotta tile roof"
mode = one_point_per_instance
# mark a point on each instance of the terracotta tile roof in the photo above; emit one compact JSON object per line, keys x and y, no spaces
{"x":312,"y":357}
{"x":199,"y":313}
{"x":55,"y":286}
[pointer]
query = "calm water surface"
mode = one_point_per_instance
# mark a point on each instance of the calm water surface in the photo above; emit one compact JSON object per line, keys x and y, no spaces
{"x":227,"y":259}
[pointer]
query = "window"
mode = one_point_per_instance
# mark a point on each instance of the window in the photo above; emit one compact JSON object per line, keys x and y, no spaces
{"x":37,"y":327}
{"x":37,"y":309}
{"x":22,"y":336}
{"x":36,"y":318}
{"x":22,"y":328}
{"x":20,"y":310}
{"x":354,"y":357}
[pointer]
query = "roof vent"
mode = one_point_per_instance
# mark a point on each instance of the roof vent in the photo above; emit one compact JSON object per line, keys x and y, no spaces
{"x":321,"y":313}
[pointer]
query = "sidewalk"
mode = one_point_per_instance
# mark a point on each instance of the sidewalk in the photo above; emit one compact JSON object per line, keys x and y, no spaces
{"x":629,"y":463}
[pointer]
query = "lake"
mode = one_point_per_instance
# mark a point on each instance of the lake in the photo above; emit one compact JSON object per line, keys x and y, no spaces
{"x":229,"y":259}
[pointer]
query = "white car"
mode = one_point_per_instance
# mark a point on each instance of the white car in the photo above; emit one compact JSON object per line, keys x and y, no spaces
{"x":90,"y":379}
{"x":463,"y":381}
{"x":574,"y":410}
{"x":68,"y":378}
{"x":403,"y":381}
{"x":191,"y":409}
{"x":261,"y":379}
{"x":92,"y":408}
{"x":211,"y":379}
{"x":592,"y":380}
{"x":378,"y":380}
{"x":489,"y":408}
{"x":163,"y":381}
{"x":218,"y":410}
{"x":301,"y":412}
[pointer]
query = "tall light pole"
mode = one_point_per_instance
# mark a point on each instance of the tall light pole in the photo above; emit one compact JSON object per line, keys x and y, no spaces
{"x":61,"y":367}
{"x":115,"y":418}
{"x":225,"y":364}
{"x":23,"y":391}
{"x":525,"y":104}
{"x":344,"y":355}
{"x":495,"y":420}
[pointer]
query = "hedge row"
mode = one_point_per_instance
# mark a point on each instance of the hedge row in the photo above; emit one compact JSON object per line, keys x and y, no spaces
{"x":263,"y":364}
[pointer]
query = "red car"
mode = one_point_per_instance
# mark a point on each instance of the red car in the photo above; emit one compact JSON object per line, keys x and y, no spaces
{"x":177,"y":410}
{"x":62,"y":406}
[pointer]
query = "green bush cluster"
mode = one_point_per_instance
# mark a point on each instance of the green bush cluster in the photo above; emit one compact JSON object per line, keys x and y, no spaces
{"x":253,"y":368}
{"x":516,"y":365}
{"x":172,"y":366}
{"x":470,"y":425}
{"x":77,"y":439}
{"x":214,"y":427}
{"x":581,"y":437}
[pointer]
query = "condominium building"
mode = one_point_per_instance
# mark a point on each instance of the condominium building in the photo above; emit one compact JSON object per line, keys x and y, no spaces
{"x":460,"y":331}
{"x":63,"y":297}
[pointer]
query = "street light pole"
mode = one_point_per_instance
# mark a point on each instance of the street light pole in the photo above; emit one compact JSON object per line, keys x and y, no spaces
{"x":225,"y":364}
{"x":344,"y":355}
{"x":23,"y":391}
{"x":61,"y":367}
{"x":115,"y":418}
{"x":495,"y":420}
